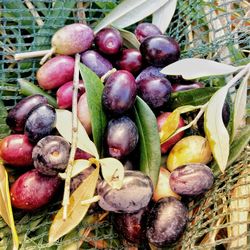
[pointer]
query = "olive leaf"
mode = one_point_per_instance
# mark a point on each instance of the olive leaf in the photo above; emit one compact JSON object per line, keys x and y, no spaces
{"x":112,"y":172}
{"x":5,"y":205}
{"x":78,"y":167}
{"x":149,"y":140}
{"x":129,"y":39}
{"x":4,"y":129}
{"x":94,"y":88}
{"x":240,"y":103}
{"x":191,"y":68}
{"x":64,"y":127}
{"x":163,"y":16}
{"x":129,"y":12}
{"x":76,"y":211}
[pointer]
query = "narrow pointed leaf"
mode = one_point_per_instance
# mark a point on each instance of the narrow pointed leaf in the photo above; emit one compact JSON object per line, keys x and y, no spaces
{"x":64,"y":127}
{"x":4,"y":129}
{"x":5,"y":205}
{"x":192,"y":68}
{"x":76,"y":211}
{"x":112,"y":172}
{"x":149,"y":141}
{"x":129,"y":39}
{"x":215,"y":130}
{"x":94,"y":88}
{"x":163,"y":16}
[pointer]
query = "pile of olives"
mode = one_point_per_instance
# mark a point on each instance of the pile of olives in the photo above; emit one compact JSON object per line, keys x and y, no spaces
{"x":141,"y":212}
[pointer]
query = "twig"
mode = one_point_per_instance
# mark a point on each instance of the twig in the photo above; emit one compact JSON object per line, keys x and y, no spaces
{"x":34,"y":13}
{"x":68,"y":171}
{"x":30,"y":54}
{"x":81,"y":16}
{"x":106,"y":75}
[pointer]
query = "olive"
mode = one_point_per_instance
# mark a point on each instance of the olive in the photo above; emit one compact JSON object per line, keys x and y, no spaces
{"x":149,"y":72}
{"x":144,"y":30}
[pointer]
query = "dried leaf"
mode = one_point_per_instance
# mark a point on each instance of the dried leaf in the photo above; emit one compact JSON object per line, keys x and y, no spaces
{"x":129,"y":39}
{"x":76,"y":211}
{"x":5,"y":205}
{"x":215,"y":129}
{"x":112,"y":172}
{"x":192,"y":68}
{"x":78,"y":167}
{"x":129,"y":12}
{"x":240,"y":106}
{"x":64,"y":127}
{"x":163,"y":16}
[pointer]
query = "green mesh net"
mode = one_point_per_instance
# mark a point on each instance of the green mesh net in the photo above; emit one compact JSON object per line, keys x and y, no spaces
{"x":217,"y":30}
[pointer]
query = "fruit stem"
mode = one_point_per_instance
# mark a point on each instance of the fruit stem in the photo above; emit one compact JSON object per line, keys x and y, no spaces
{"x":69,"y":168}
{"x":49,"y":54}
{"x":106,"y":75}
{"x":31,"y":54}
{"x":91,"y":200}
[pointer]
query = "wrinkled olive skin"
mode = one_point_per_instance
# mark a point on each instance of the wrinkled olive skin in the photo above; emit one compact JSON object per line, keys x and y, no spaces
{"x":33,"y":190}
{"x":17,"y":116}
{"x":51,"y":155}
{"x":135,"y":194}
{"x":40,"y":122}
{"x":191,"y":179}
{"x":166,"y":222}
{"x":132,"y":226}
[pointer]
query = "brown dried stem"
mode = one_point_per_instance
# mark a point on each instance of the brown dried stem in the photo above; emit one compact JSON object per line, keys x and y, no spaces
{"x":68,"y":171}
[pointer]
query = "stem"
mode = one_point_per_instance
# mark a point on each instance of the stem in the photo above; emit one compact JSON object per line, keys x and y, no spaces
{"x":68,"y":171}
{"x":105,"y":76}
{"x":34,"y":13}
{"x":91,"y":200}
{"x":32,"y":54}
{"x":49,"y":54}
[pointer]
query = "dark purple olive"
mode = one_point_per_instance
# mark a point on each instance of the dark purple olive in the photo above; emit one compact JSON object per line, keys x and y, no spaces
{"x":191,"y":179}
{"x":108,"y":41}
{"x":160,"y":51}
{"x":184,"y":87}
{"x":150,"y":72}
{"x":135,"y":193}
{"x":155,"y":91}
{"x":51,"y":155}
{"x":166,"y":222}
{"x":226,"y":113}
{"x":130,"y":60}
{"x":96,"y":62}
{"x":40,"y":122}
{"x":144,"y":30}
{"x":119,"y":92}
{"x":132,"y":226}
{"x":122,"y":137}
{"x":80,"y":154}
{"x":17,"y":116}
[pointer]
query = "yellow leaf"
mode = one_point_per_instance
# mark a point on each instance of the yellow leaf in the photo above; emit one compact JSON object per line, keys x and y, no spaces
{"x":112,"y":172}
{"x":5,"y":205}
{"x":64,"y":127}
{"x":76,"y":211}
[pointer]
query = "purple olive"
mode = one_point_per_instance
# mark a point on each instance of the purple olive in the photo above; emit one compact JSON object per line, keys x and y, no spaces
{"x":144,"y":30}
{"x":150,"y":72}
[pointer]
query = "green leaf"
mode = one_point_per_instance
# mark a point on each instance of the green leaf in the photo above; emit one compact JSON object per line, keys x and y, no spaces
{"x":192,"y":68}
{"x":76,"y":211}
{"x":94,"y":88}
{"x":129,"y":12}
{"x":4,"y":129}
{"x":150,"y":153}
{"x":191,"y":97}
{"x":215,"y":130}
{"x":129,"y":39}
{"x":64,"y":127}
{"x":5,"y":205}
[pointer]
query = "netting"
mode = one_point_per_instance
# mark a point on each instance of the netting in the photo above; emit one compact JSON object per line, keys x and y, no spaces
{"x":217,"y":30}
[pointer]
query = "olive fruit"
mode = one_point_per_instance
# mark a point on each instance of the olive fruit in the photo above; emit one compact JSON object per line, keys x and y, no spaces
{"x":73,"y":38}
{"x":65,"y":92}
{"x":108,"y":41}
{"x":80,"y":154}
{"x":130,"y":60}
{"x":83,"y":113}
{"x":16,"y":150}
{"x":135,"y":193}
{"x":166,"y":222}
{"x":96,"y":62}
{"x":40,"y":122}
{"x":144,"y":30}
{"x":160,"y":50}
{"x":122,"y":137}
{"x":51,"y":155}
{"x":191,"y":179}
{"x":184,"y":87}
{"x":132,"y":226}
{"x":33,"y":190}
{"x":17,"y":116}
{"x":150,"y":72}
{"x":166,"y":146}
{"x":163,"y":188}
{"x":55,"y":72}
{"x":155,"y":91}
{"x":190,"y":149}
{"x":119,"y":92}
